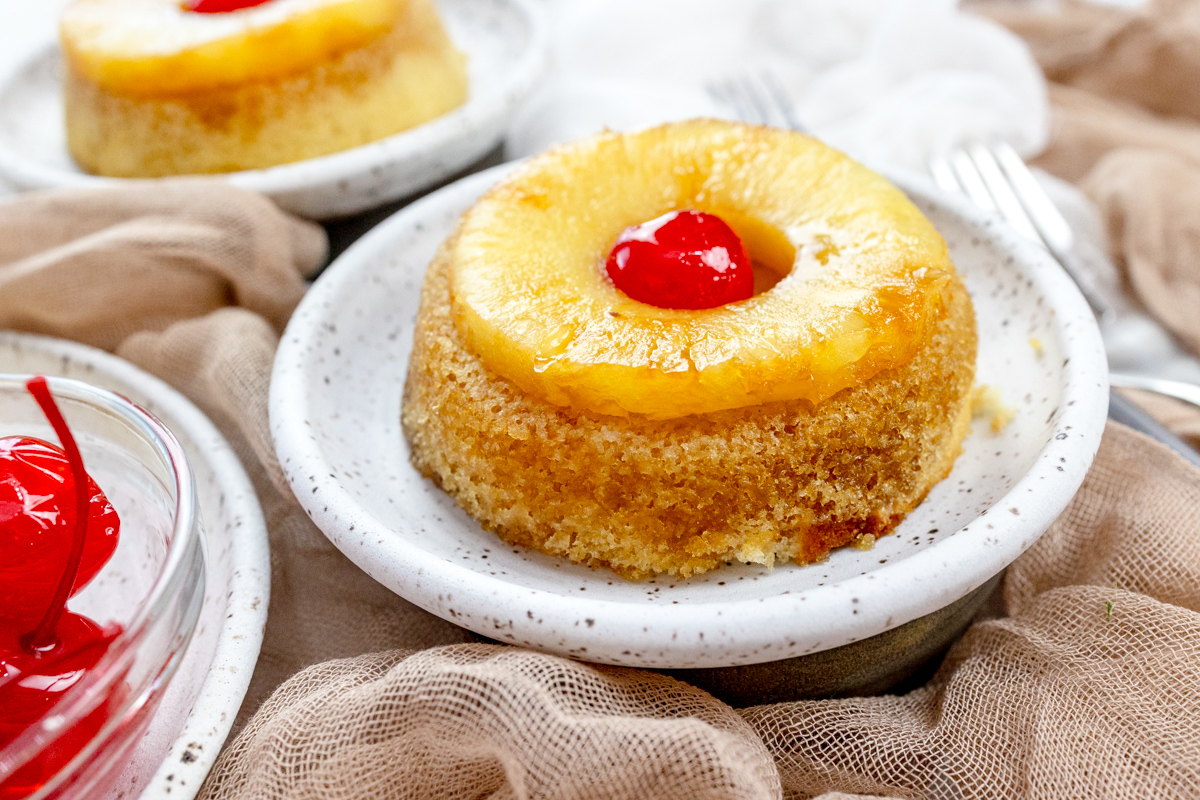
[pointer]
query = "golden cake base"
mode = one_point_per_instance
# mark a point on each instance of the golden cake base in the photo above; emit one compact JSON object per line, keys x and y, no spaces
{"x":759,"y":484}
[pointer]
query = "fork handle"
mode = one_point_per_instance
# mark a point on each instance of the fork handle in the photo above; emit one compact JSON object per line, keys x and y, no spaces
{"x":1073,"y":263}
{"x":1127,"y":413}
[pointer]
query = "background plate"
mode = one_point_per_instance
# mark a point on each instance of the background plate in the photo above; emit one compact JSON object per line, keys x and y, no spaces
{"x":203,"y":698}
{"x":335,"y":408}
{"x":506,"y":45}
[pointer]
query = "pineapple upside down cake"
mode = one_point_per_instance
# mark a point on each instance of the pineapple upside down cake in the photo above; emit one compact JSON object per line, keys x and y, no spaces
{"x":700,"y":343}
{"x":173,"y":87}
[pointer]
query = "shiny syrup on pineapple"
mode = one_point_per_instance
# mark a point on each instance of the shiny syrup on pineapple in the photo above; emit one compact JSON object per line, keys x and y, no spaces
{"x":57,"y":530}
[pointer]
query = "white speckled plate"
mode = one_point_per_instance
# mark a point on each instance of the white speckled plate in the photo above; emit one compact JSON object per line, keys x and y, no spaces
{"x":199,"y":706}
{"x":506,"y":45}
{"x":335,"y":407}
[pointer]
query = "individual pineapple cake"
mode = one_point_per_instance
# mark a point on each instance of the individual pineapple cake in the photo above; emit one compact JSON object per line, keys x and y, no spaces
{"x":707,"y":341}
{"x":170,"y":87}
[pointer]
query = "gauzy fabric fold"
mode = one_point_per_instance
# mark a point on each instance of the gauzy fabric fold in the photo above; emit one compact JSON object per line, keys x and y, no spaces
{"x":1125,"y":126}
{"x":1090,"y":687}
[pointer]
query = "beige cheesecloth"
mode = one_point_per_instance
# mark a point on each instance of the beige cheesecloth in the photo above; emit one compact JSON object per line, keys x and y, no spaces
{"x":1088,"y":688}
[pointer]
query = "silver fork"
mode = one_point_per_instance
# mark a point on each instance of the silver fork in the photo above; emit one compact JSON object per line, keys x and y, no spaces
{"x":995,"y":178}
{"x":757,"y":98}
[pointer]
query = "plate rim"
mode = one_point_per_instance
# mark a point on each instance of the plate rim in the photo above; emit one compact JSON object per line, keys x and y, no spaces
{"x":251,"y":576}
{"x":299,"y":176}
{"x":1084,"y":403}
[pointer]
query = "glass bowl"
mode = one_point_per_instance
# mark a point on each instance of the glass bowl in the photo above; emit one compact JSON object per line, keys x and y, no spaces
{"x":152,"y":586}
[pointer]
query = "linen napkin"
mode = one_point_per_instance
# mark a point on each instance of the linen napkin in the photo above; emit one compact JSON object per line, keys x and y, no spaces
{"x":1125,"y":126}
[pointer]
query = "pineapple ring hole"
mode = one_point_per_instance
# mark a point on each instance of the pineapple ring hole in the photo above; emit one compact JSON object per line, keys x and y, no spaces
{"x":772,"y":256}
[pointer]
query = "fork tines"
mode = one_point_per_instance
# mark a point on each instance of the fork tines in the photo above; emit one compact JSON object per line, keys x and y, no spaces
{"x":995,"y":178}
{"x":758,"y":99}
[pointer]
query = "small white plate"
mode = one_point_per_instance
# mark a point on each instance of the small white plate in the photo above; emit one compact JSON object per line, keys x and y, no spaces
{"x":335,"y":409}
{"x":202,"y":700}
{"x":506,"y":45}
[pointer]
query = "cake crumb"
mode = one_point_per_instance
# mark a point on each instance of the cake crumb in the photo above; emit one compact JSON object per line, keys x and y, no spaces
{"x":985,"y":402}
{"x":1036,"y":344}
{"x":864,"y":542}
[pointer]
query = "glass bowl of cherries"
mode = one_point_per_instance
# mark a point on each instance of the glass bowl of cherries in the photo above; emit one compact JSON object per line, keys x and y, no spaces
{"x":101,"y":581}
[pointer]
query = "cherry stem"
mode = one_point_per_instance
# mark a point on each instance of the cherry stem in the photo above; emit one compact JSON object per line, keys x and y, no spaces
{"x":43,"y":634}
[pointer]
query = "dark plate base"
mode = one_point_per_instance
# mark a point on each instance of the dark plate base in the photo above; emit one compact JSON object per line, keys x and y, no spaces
{"x":895,"y":661}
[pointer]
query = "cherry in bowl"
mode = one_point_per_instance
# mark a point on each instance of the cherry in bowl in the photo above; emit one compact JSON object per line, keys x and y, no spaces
{"x":132,"y":611}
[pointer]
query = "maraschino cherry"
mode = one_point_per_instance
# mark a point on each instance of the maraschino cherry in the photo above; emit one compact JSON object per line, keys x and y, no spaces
{"x":220,"y":6}
{"x":37,"y":528}
{"x":683,"y":259}
{"x":57,"y":529}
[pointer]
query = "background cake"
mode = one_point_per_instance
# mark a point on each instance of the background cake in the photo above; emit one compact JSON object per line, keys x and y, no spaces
{"x":571,"y":418}
{"x":153,"y":88}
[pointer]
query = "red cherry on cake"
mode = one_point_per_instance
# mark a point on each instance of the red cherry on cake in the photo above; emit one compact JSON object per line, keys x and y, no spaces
{"x":37,"y":526}
{"x":220,"y":6}
{"x":683,"y":259}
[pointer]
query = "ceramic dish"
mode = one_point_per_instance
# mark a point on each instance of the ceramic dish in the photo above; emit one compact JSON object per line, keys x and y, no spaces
{"x":335,"y":407}
{"x":506,"y":46}
{"x":203,"y":698}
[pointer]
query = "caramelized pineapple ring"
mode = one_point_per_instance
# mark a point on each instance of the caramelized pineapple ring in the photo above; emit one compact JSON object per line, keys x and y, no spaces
{"x":154,"y":48}
{"x":532,"y":300}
